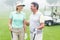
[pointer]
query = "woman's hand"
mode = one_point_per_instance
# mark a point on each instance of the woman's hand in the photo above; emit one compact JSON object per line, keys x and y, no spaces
{"x":10,"y":28}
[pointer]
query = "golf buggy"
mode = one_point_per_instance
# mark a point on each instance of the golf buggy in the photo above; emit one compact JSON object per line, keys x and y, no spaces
{"x":52,"y":15}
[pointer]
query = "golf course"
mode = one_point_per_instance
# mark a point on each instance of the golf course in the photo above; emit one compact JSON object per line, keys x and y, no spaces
{"x":49,"y":32}
{"x":7,"y":6}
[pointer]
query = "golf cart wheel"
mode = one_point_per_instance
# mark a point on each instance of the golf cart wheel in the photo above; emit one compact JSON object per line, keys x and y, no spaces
{"x":49,"y":23}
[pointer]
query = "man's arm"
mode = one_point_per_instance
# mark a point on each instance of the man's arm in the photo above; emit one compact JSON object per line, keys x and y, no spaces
{"x":26,"y":23}
{"x":41,"y":26}
{"x":41,"y":22}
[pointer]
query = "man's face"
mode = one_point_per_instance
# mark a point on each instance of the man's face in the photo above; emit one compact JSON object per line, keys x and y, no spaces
{"x":33,"y":7}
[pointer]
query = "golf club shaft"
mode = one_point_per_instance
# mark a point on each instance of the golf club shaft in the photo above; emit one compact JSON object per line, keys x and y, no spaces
{"x":34,"y":36}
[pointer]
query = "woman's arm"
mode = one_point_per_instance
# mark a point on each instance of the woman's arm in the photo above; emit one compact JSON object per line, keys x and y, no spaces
{"x":24,"y":25}
{"x":10,"y":24}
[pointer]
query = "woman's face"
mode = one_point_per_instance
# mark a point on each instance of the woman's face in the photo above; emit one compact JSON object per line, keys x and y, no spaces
{"x":20,"y":7}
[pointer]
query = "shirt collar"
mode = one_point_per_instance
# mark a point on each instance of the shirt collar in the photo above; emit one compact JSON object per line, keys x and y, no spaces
{"x":18,"y":13}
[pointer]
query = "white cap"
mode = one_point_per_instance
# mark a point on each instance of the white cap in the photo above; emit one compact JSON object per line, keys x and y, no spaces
{"x":20,"y":4}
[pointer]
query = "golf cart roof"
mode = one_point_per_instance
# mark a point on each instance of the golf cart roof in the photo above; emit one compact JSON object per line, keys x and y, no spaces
{"x":54,"y":5}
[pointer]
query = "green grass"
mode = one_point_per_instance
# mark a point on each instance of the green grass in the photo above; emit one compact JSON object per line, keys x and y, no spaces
{"x":4,"y":31}
{"x":49,"y":33}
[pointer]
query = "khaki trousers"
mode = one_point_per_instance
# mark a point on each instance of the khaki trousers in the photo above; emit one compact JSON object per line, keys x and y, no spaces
{"x":17,"y":34}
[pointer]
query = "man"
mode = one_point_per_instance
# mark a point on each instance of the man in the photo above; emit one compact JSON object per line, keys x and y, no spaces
{"x":36,"y":22}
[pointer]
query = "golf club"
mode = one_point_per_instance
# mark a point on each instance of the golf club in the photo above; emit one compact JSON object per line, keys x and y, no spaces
{"x":35,"y":34}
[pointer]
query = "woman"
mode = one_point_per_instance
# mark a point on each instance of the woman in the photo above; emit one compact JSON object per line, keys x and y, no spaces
{"x":17,"y":23}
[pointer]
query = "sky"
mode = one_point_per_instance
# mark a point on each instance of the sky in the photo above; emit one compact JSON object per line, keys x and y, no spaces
{"x":4,"y":7}
{"x":26,"y":2}
{"x":42,"y":4}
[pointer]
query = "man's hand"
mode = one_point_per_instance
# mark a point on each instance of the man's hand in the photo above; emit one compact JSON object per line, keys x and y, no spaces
{"x":41,"y":26}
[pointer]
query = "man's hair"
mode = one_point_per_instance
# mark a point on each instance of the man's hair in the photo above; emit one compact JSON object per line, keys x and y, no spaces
{"x":35,"y":5}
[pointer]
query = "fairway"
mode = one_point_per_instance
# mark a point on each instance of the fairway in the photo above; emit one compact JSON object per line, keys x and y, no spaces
{"x":49,"y":33}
